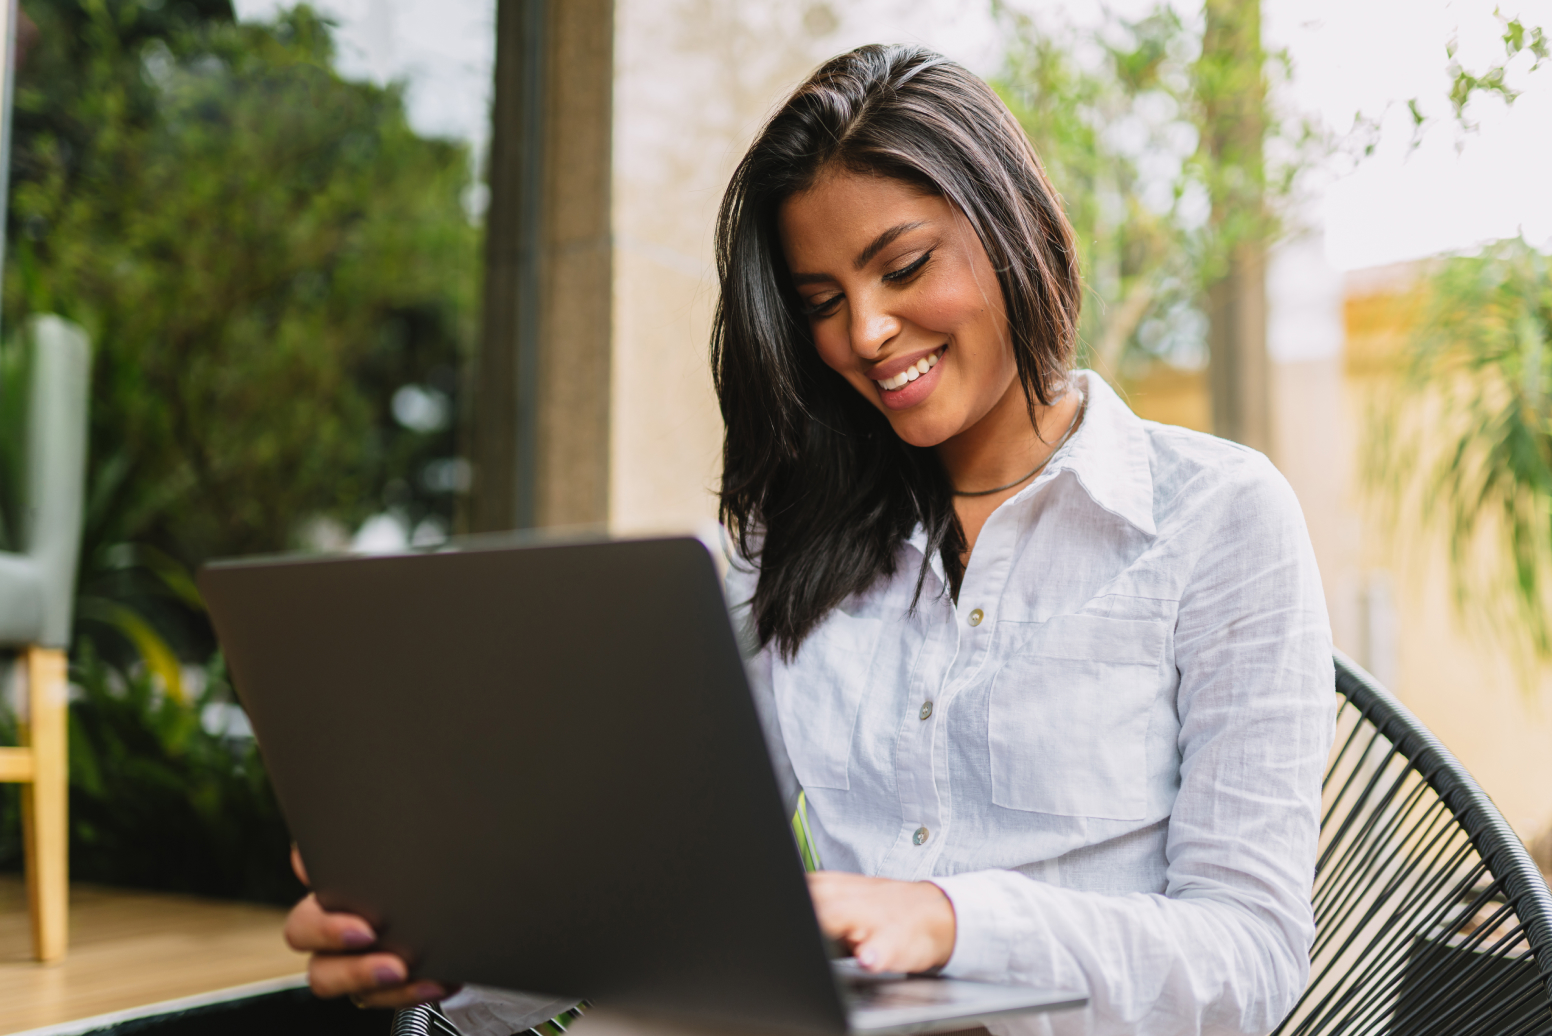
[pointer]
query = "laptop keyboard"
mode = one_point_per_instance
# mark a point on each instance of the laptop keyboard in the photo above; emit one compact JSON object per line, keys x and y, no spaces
{"x":899,"y":993}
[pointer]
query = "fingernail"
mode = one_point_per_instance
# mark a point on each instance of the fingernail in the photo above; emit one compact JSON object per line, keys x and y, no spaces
{"x":867,"y":958}
{"x":356,"y":939}
{"x":429,"y":991}
{"x":386,"y":975}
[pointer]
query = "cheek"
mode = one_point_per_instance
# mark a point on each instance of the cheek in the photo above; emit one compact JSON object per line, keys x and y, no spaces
{"x":956,"y":307}
{"x":834,"y":345}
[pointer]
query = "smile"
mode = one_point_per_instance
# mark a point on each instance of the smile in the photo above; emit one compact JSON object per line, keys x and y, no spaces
{"x":911,"y":373}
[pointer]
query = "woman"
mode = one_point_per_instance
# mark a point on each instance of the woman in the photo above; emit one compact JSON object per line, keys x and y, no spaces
{"x":1055,"y":682}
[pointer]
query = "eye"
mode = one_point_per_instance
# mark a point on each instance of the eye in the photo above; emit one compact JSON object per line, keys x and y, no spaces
{"x":905,"y":273}
{"x":822,"y":307}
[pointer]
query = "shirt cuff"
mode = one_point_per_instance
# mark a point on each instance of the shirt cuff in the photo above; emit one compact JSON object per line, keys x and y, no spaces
{"x":986,"y":919}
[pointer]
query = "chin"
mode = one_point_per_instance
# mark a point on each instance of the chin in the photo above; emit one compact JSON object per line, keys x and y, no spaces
{"x":921,"y":429}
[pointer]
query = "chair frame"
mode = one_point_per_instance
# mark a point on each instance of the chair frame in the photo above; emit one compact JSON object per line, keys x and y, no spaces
{"x":40,"y":765}
{"x":1394,"y":900}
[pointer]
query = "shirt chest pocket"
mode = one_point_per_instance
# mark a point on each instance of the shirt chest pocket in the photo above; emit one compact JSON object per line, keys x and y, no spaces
{"x":819,"y":694}
{"x":1069,"y":717}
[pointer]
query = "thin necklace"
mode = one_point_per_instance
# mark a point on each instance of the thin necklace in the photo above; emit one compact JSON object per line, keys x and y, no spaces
{"x":1082,"y":406}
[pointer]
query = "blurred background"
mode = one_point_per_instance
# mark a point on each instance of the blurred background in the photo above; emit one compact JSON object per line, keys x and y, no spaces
{"x":367,"y":274}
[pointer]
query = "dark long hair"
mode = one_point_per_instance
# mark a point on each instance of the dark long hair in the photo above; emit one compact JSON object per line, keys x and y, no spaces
{"x":816,"y":486}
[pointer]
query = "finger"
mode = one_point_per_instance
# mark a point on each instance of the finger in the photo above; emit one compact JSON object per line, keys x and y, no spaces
{"x":876,"y":954}
{"x":836,"y":905}
{"x":362,"y":974}
{"x":312,"y":929}
{"x":298,"y":866}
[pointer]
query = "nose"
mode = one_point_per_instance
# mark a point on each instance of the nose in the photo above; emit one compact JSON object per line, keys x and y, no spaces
{"x":872,"y":326}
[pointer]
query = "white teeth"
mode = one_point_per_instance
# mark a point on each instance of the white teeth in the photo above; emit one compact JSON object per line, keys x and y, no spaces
{"x":910,"y":374}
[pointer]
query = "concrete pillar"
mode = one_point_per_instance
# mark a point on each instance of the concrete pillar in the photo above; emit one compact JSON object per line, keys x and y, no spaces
{"x":540,"y":429}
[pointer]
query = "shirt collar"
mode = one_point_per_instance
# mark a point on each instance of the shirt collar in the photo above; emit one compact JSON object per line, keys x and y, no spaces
{"x":1108,"y":455}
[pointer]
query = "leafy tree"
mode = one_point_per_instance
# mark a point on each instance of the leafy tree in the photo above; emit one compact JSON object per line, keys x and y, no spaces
{"x":1123,"y":117}
{"x":263,"y":255}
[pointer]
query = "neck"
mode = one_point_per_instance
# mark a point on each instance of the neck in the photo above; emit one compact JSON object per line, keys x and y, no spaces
{"x":1003,"y":445}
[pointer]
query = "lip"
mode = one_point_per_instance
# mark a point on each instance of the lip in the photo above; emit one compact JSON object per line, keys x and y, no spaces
{"x":889,"y":368}
{"x":911,"y":393}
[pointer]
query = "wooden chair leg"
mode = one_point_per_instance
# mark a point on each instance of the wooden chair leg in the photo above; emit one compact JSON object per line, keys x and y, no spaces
{"x":46,"y":802}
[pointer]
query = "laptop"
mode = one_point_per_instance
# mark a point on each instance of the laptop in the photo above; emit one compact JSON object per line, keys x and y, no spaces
{"x":540,"y":768}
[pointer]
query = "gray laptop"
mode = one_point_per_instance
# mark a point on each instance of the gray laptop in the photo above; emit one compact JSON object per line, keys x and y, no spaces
{"x":540,"y":768}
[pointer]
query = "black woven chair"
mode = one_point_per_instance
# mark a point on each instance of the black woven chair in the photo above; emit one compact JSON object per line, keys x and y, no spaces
{"x":1431,"y":918}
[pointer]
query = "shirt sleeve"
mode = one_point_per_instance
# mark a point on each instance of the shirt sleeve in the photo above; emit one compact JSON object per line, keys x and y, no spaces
{"x":1225,"y":949}
{"x":738,"y":587}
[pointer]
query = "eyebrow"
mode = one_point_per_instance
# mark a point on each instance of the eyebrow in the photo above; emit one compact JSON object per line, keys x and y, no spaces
{"x":877,"y":245}
{"x":882,"y":241}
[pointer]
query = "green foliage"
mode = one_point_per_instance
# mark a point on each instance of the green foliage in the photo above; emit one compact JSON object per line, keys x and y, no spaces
{"x":1465,"y":86}
{"x":156,"y":800}
{"x":1466,"y":439}
{"x":262,"y":254}
{"x":1095,"y":108}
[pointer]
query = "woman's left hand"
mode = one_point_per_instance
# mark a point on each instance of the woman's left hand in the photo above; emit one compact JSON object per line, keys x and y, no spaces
{"x":888,"y":925}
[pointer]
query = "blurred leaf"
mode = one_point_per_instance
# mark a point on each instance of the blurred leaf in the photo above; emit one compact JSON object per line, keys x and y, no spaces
{"x":159,"y":659}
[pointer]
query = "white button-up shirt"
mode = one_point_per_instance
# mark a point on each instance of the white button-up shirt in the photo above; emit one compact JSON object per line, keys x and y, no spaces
{"x":1118,"y":781}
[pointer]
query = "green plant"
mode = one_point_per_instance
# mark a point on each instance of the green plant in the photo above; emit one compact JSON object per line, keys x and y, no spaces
{"x":1464,"y":438}
{"x":158,"y":800}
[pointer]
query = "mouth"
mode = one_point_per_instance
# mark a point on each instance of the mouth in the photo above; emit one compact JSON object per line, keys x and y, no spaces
{"x":913,"y":372}
{"x":908,"y":385}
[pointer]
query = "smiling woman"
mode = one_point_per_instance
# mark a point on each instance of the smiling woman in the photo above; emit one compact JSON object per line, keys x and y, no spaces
{"x":1054,"y":683}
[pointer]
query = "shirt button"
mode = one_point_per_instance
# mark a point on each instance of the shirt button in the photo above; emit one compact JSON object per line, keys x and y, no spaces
{"x":976,"y":616}
{"x":926,"y":709}
{"x":920,"y":836}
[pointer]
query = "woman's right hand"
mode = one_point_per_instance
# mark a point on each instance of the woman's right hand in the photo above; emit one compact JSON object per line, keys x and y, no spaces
{"x":342,"y":962}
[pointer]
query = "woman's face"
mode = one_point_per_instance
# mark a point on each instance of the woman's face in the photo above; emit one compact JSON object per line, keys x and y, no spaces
{"x":897,"y":287}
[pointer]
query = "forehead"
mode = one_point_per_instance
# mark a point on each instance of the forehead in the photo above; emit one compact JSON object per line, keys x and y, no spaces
{"x":844,"y":211}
